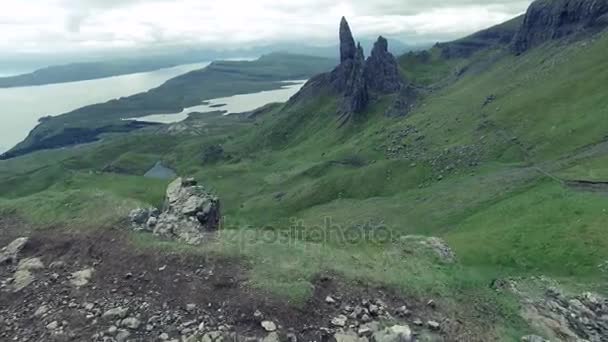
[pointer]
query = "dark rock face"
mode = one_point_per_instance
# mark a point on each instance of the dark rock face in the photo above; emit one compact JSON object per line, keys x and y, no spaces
{"x":381,"y":70}
{"x":358,"y":79}
{"x":347,"y":42}
{"x":356,"y":96}
{"x":547,"y":20}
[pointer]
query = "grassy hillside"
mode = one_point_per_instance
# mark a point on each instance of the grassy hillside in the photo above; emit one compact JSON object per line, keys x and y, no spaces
{"x":482,"y":162}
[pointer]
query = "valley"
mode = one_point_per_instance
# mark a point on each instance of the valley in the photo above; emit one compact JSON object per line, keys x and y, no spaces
{"x":451,"y":194}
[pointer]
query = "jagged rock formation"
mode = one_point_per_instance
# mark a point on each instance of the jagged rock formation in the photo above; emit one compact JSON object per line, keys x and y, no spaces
{"x":357,"y":78}
{"x":189,"y":213}
{"x":381,"y":69}
{"x":546,"y":20}
{"x":348,"y":50}
{"x":356,"y":94}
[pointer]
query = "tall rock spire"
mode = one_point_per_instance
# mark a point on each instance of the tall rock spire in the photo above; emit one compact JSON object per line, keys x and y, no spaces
{"x":381,"y":70}
{"x":348,"y":49}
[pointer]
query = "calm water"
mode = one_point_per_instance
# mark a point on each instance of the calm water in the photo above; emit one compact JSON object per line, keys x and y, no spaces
{"x":233,"y":104}
{"x":20,"y":108}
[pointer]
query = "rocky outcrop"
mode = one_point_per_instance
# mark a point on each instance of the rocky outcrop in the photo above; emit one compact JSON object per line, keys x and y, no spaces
{"x":358,"y":81}
{"x":357,"y":78}
{"x":348,"y":50}
{"x":381,"y":69}
{"x":559,"y":316}
{"x":188,"y":214}
{"x":547,"y":20}
{"x":356,"y":95}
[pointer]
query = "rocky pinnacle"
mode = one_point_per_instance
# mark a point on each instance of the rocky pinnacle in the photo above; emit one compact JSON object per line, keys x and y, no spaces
{"x":348,"y":49}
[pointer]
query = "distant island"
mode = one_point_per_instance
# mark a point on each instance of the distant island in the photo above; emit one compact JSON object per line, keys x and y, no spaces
{"x":84,"y":71}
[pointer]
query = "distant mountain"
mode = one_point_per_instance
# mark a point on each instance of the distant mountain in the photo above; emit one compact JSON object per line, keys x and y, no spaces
{"x":91,"y":67}
{"x":396,"y":47}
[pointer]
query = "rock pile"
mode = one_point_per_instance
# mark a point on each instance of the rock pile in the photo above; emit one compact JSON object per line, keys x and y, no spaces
{"x":189,"y":213}
{"x":569,"y":318}
{"x":433,"y":244}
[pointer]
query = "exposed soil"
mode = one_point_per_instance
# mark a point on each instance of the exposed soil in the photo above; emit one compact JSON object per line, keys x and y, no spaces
{"x":173,"y":293}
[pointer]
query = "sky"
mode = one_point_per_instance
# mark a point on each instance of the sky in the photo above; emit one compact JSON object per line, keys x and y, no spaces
{"x":47,"y":26}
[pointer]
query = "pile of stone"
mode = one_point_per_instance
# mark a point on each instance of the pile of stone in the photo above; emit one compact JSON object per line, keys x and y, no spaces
{"x":435,"y":245}
{"x":569,"y":318}
{"x":188,"y":214}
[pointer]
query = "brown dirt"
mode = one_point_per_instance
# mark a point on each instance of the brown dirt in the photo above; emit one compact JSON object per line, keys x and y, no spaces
{"x":129,"y":276}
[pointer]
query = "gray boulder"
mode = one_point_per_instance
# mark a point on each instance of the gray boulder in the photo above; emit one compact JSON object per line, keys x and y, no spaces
{"x":10,"y":253}
{"x":189,"y":212}
{"x":396,"y":333}
{"x":143,"y":218}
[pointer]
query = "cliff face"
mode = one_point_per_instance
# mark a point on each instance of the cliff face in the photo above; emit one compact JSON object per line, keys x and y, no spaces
{"x":547,"y":20}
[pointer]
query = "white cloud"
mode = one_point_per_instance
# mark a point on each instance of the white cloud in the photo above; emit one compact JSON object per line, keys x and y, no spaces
{"x":72,"y":25}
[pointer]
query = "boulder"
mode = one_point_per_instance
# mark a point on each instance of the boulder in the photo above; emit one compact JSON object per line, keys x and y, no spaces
{"x":188,"y":213}
{"x":396,"y":333}
{"x":349,"y":336}
{"x":269,"y":326}
{"x":81,"y":278}
{"x":143,"y":219}
{"x":10,"y":253}
{"x":24,"y":275}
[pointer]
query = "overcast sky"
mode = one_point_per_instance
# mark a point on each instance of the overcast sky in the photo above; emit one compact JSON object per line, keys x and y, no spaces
{"x":77,"y":25}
